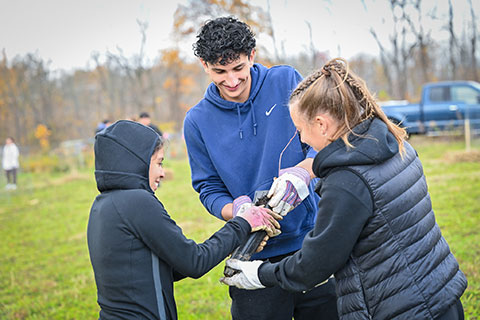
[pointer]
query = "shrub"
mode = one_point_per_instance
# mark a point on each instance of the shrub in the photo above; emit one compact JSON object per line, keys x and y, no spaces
{"x":43,"y":163}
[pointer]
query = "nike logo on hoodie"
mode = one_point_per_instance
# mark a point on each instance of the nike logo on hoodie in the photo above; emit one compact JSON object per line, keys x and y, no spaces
{"x":267,"y":113}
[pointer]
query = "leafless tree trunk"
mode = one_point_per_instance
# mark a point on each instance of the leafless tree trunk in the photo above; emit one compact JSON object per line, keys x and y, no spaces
{"x":14,"y":104}
{"x":452,"y":41}
{"x":269,"y":23}
{"x":400,"y":56}
{"x":106,"y":85}
{"x":400,"y":61}
{"x":422,"y":40}
{"x":313,"y":51}
{"x":71,"y":95}
{"x":465,"y":58}
{"x":145,"y":77}
{"x":384,"y":59}
{"x":473,"y":42}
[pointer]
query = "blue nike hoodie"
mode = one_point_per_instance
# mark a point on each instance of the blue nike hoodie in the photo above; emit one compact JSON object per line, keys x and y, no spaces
{"x":234,"y":149}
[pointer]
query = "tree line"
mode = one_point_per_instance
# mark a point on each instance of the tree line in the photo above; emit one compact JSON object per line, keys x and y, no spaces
{"x":37,"y":103}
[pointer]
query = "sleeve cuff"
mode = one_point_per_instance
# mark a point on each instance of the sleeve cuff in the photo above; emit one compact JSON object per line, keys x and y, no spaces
{"x":244,"y":225}
{"x":266,"y":274}
{"x":239,"y":202}
{"x":218,"y":205}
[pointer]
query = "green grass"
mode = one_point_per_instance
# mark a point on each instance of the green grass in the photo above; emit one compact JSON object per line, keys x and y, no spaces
{"x":454,"y":187}
{"x":45,"y":271}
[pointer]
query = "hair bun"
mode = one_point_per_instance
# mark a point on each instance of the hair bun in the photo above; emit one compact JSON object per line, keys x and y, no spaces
{"x":325,"y":71}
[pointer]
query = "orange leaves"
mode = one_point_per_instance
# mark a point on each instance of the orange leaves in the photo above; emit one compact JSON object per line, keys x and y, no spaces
{"x":183,"y":84}
{"x":178,"y":79}
{"x":42,"y":133}
{"x":169,"y":84}
{"x":171,"y":57}
{"x":187,"y":82}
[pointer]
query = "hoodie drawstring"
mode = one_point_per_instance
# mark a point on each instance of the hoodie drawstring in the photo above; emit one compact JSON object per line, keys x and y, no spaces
{"x":254,"y":120}
{"x":240,"y":131}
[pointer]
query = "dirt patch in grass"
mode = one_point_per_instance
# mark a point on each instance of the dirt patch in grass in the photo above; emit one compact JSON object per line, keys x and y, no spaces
{"x":462,"y":156}
{"x":69,"y":178}
{"x":20,"y":314}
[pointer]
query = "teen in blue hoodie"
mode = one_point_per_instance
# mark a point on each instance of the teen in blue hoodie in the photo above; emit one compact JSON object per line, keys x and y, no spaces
{"x":137,"y":251}
{"x":237,"y":139}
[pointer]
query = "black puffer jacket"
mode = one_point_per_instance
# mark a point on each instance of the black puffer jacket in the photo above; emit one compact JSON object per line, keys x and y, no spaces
{"x":376,"y":232}
{"x":136,"y":249}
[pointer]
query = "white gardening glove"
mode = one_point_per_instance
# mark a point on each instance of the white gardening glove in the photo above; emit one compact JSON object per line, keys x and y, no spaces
{"x":247,"y":278}
{"x":289,"y":189}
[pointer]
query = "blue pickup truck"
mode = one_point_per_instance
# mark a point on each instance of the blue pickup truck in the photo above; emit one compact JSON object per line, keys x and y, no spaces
{"x":443,"y":106}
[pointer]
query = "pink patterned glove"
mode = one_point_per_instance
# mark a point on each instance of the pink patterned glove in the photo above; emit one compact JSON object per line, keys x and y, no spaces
{"x":260,"y":219}
{"x":289,"y":189}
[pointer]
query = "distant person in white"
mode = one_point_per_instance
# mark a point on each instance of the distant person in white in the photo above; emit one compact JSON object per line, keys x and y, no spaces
{"x":10,"y":163}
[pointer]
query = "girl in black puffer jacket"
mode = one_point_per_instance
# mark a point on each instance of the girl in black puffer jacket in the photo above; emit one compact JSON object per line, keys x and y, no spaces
{"x":375,"y":228}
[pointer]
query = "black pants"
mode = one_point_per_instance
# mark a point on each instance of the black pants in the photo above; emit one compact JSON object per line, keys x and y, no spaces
{"x":276,"y":303}
{"x":11,"y":176}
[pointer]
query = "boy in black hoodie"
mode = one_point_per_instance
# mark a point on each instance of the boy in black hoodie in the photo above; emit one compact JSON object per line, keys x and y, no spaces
{"x":136,"y":249}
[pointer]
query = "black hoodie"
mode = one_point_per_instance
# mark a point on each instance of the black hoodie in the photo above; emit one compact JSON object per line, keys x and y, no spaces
{"x":136,"y":249}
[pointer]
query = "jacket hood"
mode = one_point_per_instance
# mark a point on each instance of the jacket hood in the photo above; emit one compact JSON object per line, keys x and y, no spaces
{"x":212,"y":95}
{"x":374,"y":144}
{"x":122,"y":156}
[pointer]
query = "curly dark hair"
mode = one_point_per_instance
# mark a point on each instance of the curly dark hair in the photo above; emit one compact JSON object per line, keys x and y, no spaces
{"x":222,"y":40}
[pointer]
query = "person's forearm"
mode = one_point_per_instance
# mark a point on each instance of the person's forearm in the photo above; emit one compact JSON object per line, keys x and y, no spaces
{"x":307,"y":165}
{"x":227,"y":211}
{"x":343,"y":211}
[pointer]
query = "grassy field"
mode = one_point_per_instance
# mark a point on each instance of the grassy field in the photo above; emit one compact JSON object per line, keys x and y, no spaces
{"x":45,"y":271}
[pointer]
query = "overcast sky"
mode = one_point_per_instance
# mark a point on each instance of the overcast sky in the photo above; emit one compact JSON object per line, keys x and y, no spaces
{"x":68,"y":31}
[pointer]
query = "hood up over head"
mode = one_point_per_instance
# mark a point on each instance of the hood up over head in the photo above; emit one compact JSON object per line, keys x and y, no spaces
{"x":122,"y":156}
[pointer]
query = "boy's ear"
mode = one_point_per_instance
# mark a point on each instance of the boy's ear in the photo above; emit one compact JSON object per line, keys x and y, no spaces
{"x":204,"y":65}
{"x":251,"y":57}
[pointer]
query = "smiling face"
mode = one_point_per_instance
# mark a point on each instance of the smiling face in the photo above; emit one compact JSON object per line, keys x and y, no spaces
{"x":233,"y":79}
{"x":156,"y":172}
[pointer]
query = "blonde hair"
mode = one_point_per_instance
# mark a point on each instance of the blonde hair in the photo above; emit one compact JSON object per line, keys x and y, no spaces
{"x":337,"y":91}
